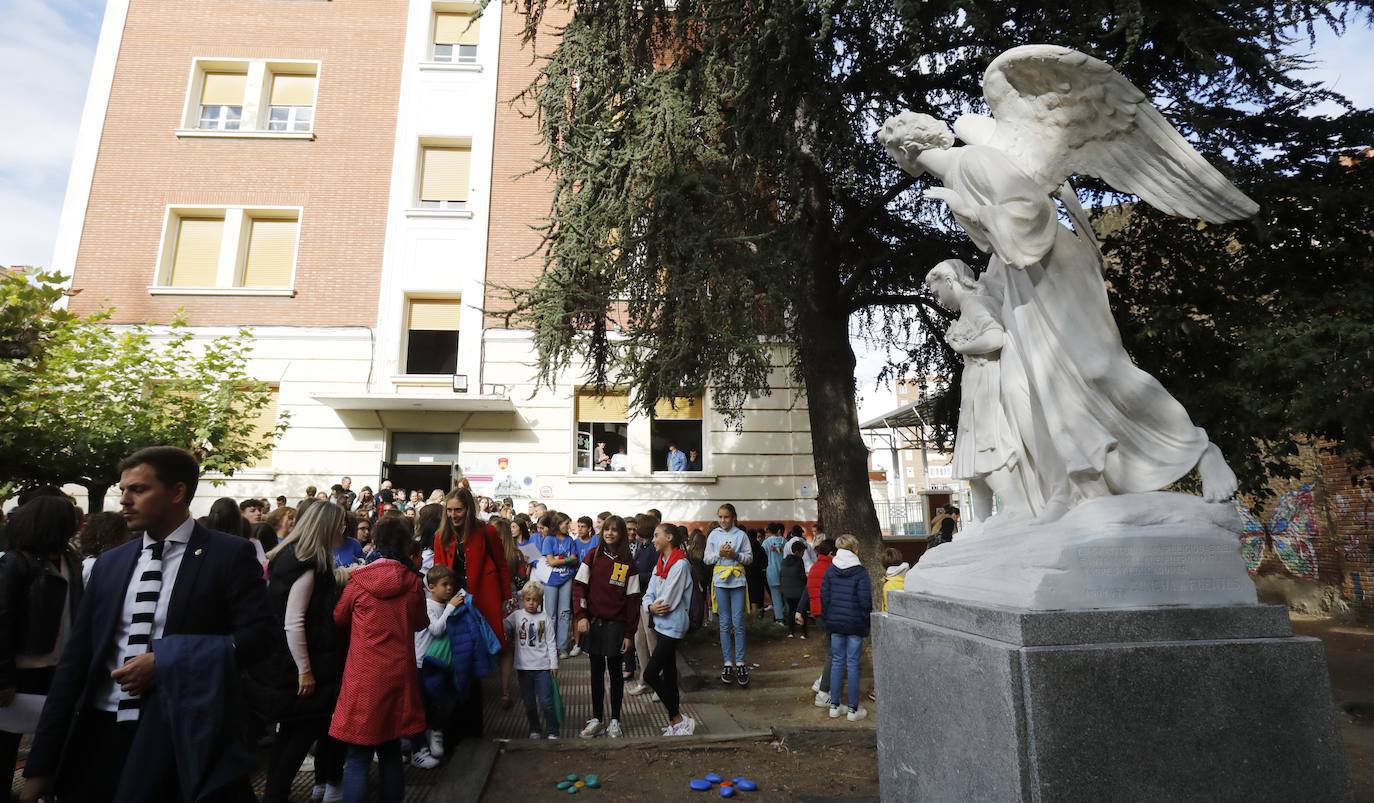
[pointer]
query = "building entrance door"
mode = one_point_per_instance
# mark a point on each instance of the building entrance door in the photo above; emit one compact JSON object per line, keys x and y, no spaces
{"x":423,"y":461}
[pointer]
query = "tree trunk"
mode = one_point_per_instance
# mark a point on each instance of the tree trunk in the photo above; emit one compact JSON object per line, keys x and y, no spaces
{"x":844,"y":498}
{"x":95,"y":497}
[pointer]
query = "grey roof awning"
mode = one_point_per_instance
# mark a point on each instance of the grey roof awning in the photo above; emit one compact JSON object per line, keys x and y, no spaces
{"x":908,"y":416}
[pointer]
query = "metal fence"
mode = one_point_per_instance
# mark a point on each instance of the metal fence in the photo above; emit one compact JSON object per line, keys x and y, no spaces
{"x":901,"y":517}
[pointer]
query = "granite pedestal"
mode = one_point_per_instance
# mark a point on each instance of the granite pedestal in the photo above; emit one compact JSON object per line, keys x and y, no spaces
{"x":988,"y":703}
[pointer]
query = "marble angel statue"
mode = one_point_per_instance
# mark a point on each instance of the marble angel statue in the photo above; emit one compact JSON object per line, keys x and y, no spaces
{"x":1090,"y":423}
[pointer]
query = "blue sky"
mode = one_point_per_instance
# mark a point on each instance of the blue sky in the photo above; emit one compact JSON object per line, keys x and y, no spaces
{"x":46,"y":47}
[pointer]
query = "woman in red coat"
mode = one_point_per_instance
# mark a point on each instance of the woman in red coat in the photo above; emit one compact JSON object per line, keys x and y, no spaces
{"x":474,"y":552}
{"x":382,"y":606}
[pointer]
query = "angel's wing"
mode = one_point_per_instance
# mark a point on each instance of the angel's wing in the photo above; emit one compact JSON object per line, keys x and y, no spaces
{"x":1060,"y":112}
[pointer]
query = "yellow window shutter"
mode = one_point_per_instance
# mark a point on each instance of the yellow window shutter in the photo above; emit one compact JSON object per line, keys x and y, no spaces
{"x":195,"y":262}
{"x":688,"y":409}
{"x":444,"y":176}
{"x":266,"y":421}
{"x":293,"y":90}
{"x":271,"y":251}
{"x":612,"y":408}
{"x":223,"y":89}
{"x":452,"y":28}
{"x":435,"y":314}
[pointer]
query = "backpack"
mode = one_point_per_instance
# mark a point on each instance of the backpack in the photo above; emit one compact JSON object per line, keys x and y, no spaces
{"x":696,"y":606}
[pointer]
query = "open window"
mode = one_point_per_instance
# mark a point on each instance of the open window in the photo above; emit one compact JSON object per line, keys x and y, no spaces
{"x":603,"y":432}
{"x":677,"y":434}
{"x":432,"y":335}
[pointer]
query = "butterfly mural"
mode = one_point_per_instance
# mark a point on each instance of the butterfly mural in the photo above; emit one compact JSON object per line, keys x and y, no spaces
{"x":1289,"y":534}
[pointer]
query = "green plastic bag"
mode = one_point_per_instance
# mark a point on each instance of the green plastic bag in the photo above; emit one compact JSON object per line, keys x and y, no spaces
{"x":440,"y":650}
{"x":557,"y":700}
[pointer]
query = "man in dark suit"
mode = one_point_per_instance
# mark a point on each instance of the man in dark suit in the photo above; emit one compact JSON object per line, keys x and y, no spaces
{"x":125,"y":719}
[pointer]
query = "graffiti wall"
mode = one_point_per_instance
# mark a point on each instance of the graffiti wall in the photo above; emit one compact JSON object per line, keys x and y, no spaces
{"x":1289,"y":534}
{"x":1319,"y":530}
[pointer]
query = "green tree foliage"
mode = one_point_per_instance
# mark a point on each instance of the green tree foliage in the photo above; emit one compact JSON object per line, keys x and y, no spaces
{"x":27,"y":315}
{"x":96,"y":393}
{"x":716,"y":159}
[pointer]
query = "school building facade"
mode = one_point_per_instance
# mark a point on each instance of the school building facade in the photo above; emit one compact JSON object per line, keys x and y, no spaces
{"x":347,"y":180}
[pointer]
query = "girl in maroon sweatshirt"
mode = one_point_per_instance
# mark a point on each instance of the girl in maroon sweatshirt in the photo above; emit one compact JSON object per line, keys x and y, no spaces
{"x":606,"y":609}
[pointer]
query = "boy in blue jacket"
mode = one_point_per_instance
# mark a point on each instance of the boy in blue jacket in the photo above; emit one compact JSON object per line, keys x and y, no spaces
{"x":846,"y":603}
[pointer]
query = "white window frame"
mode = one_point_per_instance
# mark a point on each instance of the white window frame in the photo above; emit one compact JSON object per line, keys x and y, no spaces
{"x":221,"y":120}
{"x":233,"y":252}
{"x":456,"y":54}
{"x":255,"y":113}
{"x":292,"y":121}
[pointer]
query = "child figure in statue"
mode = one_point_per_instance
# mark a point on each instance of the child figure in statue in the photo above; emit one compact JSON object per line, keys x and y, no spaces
{"x":988,"y":450}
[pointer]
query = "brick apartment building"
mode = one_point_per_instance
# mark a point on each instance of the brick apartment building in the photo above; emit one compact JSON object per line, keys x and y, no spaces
{"x":344,"y":178}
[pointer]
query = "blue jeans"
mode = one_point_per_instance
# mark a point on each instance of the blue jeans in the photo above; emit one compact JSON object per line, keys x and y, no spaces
{"x":390,"y":775}
{"x":536,"y":691}
{"x":844,"y":659}
{"x":730,"y":603}
{"x":558,"y":605}
{"x":775,"y":593}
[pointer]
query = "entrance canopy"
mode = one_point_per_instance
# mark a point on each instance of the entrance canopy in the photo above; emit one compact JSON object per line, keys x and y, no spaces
{"x":902,"y":428}
{"x":426,"y":402}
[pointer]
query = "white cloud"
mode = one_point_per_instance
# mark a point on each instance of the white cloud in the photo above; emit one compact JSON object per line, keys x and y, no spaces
{"x":46,"y":50}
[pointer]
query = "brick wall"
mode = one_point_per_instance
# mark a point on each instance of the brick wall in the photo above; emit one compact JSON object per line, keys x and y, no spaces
{"x":1317,"y":528}
{"x":518,"y":202}
{"x":341,"y":179}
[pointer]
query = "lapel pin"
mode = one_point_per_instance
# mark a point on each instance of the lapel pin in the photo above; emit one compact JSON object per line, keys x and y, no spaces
{"x":198,"y":552}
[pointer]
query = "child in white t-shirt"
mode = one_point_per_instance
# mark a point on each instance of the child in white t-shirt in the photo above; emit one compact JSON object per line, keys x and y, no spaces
{"x":536,"y":659}
{"x":444,"y":598}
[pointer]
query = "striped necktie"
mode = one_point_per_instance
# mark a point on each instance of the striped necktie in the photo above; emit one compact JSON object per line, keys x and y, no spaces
{"x":141,"y":627}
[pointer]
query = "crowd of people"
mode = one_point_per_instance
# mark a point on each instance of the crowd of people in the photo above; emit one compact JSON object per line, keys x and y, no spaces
{"x":295,"y":627}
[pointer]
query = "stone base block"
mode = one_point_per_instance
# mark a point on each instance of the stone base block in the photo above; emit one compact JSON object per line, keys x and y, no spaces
{"x":986,"y":703}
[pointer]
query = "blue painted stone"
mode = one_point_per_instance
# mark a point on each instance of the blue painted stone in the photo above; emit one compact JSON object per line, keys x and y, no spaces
{"x":712,"y":777}
{"x":593,"y":782}
{"x":564,"y":784}
{"x":572,"y":790}
{"x":727,"y":791}
{"x":572,"y":778}
{"x":698,"y":785}
{"x":746,"y":785}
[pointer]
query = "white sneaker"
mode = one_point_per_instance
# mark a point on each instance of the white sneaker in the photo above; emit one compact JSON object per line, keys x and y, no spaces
{"x":553,"y":737}
{"x":638,"y":688}
{"x":534,"y":734}
{"x":436,"y":743}
{"x":423,"y":760}
{"x":822,"y":699}
{"x":834,"y":712}
{"x":613,"y":730}
{"x":816,"y":687}
{"x":575,"y":651}
{"x":855,"y":714}
{"x":594,"y":728}
{"x":308,"y":765}
{"x":686,"y":727}
{"x":333,"y":793}
{"x":317,"y":793}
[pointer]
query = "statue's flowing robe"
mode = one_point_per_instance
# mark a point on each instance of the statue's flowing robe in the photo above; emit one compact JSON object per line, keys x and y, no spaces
{"x":1096,"y":423}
